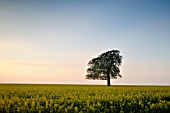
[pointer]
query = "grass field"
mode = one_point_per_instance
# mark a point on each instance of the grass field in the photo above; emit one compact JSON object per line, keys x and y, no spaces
{"x":83,"y":99}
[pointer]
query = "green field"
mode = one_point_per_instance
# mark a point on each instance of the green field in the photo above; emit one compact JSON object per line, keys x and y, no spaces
{"x":83,"y":99}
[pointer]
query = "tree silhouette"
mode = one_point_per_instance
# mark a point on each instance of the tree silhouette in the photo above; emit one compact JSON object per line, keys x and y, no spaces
{"x":105,"y":66}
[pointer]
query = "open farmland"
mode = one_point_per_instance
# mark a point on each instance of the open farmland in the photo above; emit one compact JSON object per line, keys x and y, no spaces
{"x":83,"y":99}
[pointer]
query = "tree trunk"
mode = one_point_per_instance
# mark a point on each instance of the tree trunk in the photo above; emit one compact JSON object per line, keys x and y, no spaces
{"x":108,"y":79}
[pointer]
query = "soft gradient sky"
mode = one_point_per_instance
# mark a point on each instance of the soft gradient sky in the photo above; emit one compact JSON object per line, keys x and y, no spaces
{"x":51,"y":41}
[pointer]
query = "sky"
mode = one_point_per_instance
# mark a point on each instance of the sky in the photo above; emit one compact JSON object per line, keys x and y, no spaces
{"x":51,"y":41}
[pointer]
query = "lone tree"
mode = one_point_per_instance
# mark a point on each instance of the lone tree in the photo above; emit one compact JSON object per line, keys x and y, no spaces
{"x":105,"y":66}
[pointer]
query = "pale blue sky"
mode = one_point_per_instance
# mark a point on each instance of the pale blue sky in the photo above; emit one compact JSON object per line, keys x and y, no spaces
{"x":52,"y":41}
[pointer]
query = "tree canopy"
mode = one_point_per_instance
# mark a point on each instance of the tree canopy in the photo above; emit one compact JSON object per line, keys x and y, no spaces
{"x":105,"y":66}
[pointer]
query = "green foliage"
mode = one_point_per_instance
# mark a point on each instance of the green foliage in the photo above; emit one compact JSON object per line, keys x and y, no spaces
{"x":84,"y":99}
{"x":105,"y":66}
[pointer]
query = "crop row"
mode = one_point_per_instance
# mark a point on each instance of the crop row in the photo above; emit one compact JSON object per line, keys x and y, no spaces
{"x":83,"y":99}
